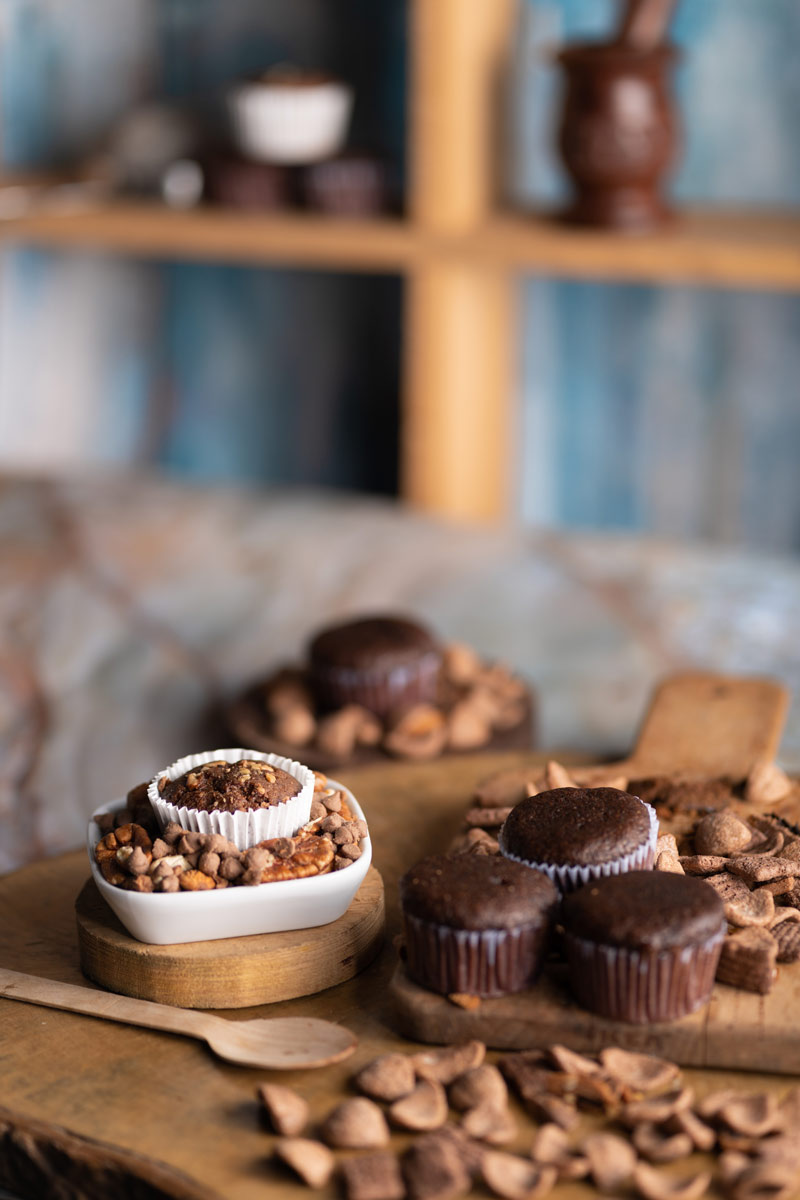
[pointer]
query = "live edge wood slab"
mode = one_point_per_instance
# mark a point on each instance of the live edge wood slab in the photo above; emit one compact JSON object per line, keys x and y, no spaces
{"x":165,"y":1097}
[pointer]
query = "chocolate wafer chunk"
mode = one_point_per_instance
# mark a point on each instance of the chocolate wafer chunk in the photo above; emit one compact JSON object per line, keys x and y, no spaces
{"x":486,"y":818}
{"x":372,"y":1177}
{"x":787,"y":935}
{"x":756,"y":868}
{"x":748,"y":960}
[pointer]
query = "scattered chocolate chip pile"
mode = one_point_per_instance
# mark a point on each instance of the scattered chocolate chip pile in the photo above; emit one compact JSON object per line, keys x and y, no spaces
{"x":640,"y":1117}
{"x":134,"y":854}
{"x":476,"y":700}
{"x":751,"y":858}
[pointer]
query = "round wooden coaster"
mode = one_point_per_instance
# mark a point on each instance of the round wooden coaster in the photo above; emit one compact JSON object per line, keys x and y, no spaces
{"x":230,"y":972}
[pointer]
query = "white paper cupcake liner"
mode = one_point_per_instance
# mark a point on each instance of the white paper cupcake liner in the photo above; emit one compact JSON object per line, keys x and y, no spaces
{"x":247,"y":827}
{"x":569,"y":878}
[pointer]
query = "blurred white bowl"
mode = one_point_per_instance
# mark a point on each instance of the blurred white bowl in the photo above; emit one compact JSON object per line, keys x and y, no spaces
{"x":168,"y":918}
{"x":291,"y":123}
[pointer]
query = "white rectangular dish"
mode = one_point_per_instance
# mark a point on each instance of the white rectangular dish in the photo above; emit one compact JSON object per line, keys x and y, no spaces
{"x":169,"y":918}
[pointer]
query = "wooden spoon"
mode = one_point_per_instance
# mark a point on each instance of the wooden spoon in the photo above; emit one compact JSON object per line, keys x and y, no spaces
{"x":275,"y":1043}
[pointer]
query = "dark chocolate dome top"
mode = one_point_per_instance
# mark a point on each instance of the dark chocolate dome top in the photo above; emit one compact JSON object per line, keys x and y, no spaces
{"x":371,"y":640}
{"x":471,"y":891}
{"x":652,"y":910}
{"x":576,"y":826}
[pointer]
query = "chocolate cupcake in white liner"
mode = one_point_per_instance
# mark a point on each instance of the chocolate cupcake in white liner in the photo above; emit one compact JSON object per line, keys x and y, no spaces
{"x":245,"y":795}
{"x":476,"y":924}
{"x":578,"y":834}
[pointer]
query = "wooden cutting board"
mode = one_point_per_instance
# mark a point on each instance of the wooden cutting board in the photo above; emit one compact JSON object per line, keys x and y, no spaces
{"x":696,"y":724}
{"x":166,"y":1097}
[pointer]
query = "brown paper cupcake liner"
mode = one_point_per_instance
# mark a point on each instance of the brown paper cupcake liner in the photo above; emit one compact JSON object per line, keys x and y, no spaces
{"x":641,"y":986}
{"x":569,"y":878}
{"x":487,"y":962}
{"x":381,"y":689}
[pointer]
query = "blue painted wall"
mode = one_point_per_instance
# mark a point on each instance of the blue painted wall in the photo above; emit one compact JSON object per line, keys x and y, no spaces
{"x":672,"y":410}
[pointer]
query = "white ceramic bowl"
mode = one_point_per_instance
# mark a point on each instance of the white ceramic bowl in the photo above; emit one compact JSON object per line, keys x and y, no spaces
{"x":167,"y":918}
{"x":281,"y":123}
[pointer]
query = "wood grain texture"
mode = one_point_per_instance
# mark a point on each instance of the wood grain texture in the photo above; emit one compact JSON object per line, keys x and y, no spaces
{"x":192,"y":1112}
{"x":230,"y":972}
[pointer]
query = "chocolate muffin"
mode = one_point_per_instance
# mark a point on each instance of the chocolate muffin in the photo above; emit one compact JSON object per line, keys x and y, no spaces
{"x":243,"y":794}
{"x":381,"y":663}
{"x":477,"y":924}
{"x":578,"y":834}
{"x":221,"y":786}
{"x":643,"y":946}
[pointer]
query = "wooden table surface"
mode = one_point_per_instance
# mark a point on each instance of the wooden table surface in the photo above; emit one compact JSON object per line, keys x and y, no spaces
{"x":167,"y":1097}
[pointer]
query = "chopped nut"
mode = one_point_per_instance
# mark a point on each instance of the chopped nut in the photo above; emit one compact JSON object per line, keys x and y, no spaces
{"x":312,"y":1161}
{"x":748,"y":960}
{"x":286,"y":1111}
{"x":491,"y":1124}
{"x":642,"y":1072}
{"x":468,"y":727}
{"x":753,"y":1115}
{"x":668,"y":862}
{"x":701,"y":1135}
{"x":657,"y":1108}
{"x":295,"y":725}
{"x":756,"y":908}
{"x":195,"y":881}
{"x":389,"y":1077}
{"x":721,"y":833}
{"x":423,"y":1109}
{"x":550,"y":1145}
{"x":420,"y":733}
{"x":653,"y":1185}
{"x":434,"y":1169}
{"x":483,"y":1085}
{"x":774,"y":1180}
{"x":373,"y":1177}
{"x":338,"y":732}
{"x":464,"y":1000}
{"x":460,"y":664}
{"x":516,"y":1178}
{"x":486,"y":818}
{"x":611,"y":1160}
{"x":571,"y":1062}
{"x":658,"y":1147}
{"x":446,"y":1064}
{"x":356,"y":1124}
{"x":138,"y":883}
{"x":557,"y":776}
{"x":766,"y":784}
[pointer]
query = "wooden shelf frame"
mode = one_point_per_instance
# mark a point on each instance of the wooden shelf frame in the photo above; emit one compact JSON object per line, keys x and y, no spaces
{"x":460,"y":255}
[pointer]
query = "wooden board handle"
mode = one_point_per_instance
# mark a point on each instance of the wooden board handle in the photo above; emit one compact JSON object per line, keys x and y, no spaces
{"x":51,"y":993}
{"x":711,"y":725}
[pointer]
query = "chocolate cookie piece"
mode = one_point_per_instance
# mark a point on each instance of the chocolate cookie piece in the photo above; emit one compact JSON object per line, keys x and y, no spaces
{"x":382,"y":663}
{"x":230,"y":787}
{"x":576,"y":826}
{"x":650,"y":910}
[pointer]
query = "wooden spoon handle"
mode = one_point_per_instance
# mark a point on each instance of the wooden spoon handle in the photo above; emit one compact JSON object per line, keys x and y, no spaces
{"x":51,"y":993}
{"x":710,"y":725}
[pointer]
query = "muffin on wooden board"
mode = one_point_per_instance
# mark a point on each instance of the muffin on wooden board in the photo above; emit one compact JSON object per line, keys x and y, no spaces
{"x":578,"y":834}
{"x":643,"y":946}
{"x":381,"y":663}
{"x":476,"y":924}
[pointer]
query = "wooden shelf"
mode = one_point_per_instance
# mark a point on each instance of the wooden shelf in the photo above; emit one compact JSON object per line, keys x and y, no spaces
{"x":710,"y":249}
{"x":210,"y":234}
